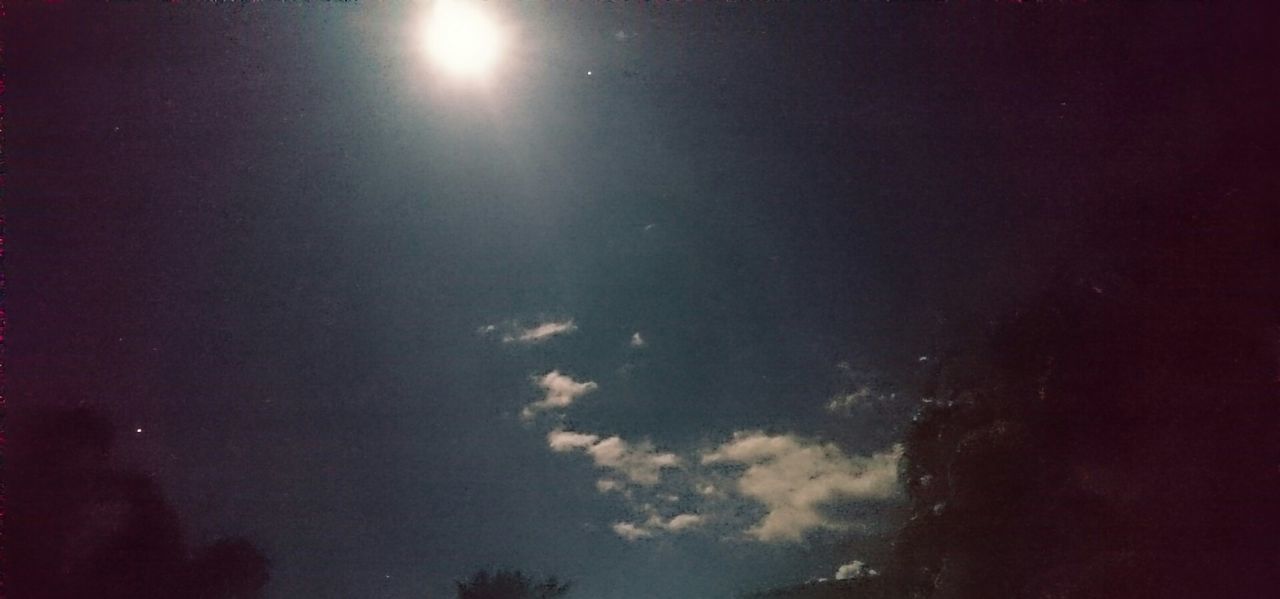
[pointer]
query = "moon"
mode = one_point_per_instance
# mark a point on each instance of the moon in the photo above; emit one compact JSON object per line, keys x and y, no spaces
{"x":463,"y":39}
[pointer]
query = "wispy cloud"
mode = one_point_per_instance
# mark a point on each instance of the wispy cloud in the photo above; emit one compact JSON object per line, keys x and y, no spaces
{"x":541,"y":332}
{"x":795,"y":478}
{"x":638,"y":462}
{"x":677,"y":523}
{"x":631,"y":532}
{"x":513,"y":332}
{"x":867,"y":391}
{"x":845,"y":402}
{"x":560,"y":391}
{"x":637,"y":340}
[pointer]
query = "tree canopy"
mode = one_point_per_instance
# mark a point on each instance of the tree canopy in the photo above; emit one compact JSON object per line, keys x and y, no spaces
{"x":79,"y":526}
{"x":510,"y":584}
{"x":1116,"y":437}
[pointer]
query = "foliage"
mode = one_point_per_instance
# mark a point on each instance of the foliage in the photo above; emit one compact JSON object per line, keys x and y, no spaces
{"x":510,"y":584}
{"x":80,"y":527}
{"x":1116,"y":439}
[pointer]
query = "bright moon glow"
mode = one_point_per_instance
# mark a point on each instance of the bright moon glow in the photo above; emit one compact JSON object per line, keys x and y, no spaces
{"x":463,"y":39}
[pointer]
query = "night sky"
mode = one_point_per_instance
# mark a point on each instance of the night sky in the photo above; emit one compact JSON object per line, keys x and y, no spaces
{"x":640,"y":307}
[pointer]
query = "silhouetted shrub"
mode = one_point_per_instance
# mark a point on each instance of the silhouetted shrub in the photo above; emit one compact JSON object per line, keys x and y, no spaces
{"x":78,"y":527}
{"x":510,"y":584}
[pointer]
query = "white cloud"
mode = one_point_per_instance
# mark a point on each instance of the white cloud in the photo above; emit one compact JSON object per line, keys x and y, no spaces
{"x":796,"y":478}
{"x":540,"y":332}
{"x":637,"y":340}
{"x":681,"y":522}
{"x":630,"y":531}
{"x":854,"y":569}
{"x":561,"y":391}
{"x":512,"y":332}
{"x":639,"y":462}
{"x":656,"y":524}
{"x":561,"y":441}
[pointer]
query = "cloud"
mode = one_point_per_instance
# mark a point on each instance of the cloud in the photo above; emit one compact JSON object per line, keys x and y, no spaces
{"x":680,"y":522}
{"x":606,"y":485}
{"x":656,"y":524}
{"x":854,"y":569}
{"x":847,"y":401}
{"x":870,"y":390}
{"x":561,"y":391}
{"x":630,"y":531}
{"x":637,"y":340}
{"x":795,"y":478}
{"x":541,"y":332}
{"x":512,"y":332}
{"x":639,"y":462}
{"x":561,"y":441}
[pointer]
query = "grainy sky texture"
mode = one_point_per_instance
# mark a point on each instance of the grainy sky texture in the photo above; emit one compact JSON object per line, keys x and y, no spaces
{"x":637,"y":310}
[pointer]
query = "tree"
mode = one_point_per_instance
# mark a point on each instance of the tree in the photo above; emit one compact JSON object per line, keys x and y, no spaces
{"x":510,"y":584}
{"x":79,"y":526}
{"x":1116,"y":437}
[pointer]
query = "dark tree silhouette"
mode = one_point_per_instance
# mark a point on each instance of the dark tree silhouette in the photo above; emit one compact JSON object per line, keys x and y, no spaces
{"x":79,"y":527}
{"x":227,"y":569}
{"x":1118,"y":438}
{"x":510,"y":584}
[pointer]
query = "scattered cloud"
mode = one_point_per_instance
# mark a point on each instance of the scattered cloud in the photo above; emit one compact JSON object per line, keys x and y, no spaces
{"x":513,"y":332}
{"x":870,"y":390}
{"x":630,"y":531}
{"x":678,"y":522}
{"x":637,"y":340}
{"x":561,"y":441}
{"x":853,"y":570}
{"x":638,"y":462}
{"x":657,"y":524}
{"x":561,"y":390}
{"x":541,"y":332}
{"x":845,"y":402}
{"x":606,"y":485}
{"x":795,"y":478}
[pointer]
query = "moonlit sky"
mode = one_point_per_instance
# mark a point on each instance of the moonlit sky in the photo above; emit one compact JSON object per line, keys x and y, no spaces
{"x":633,"y":308}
